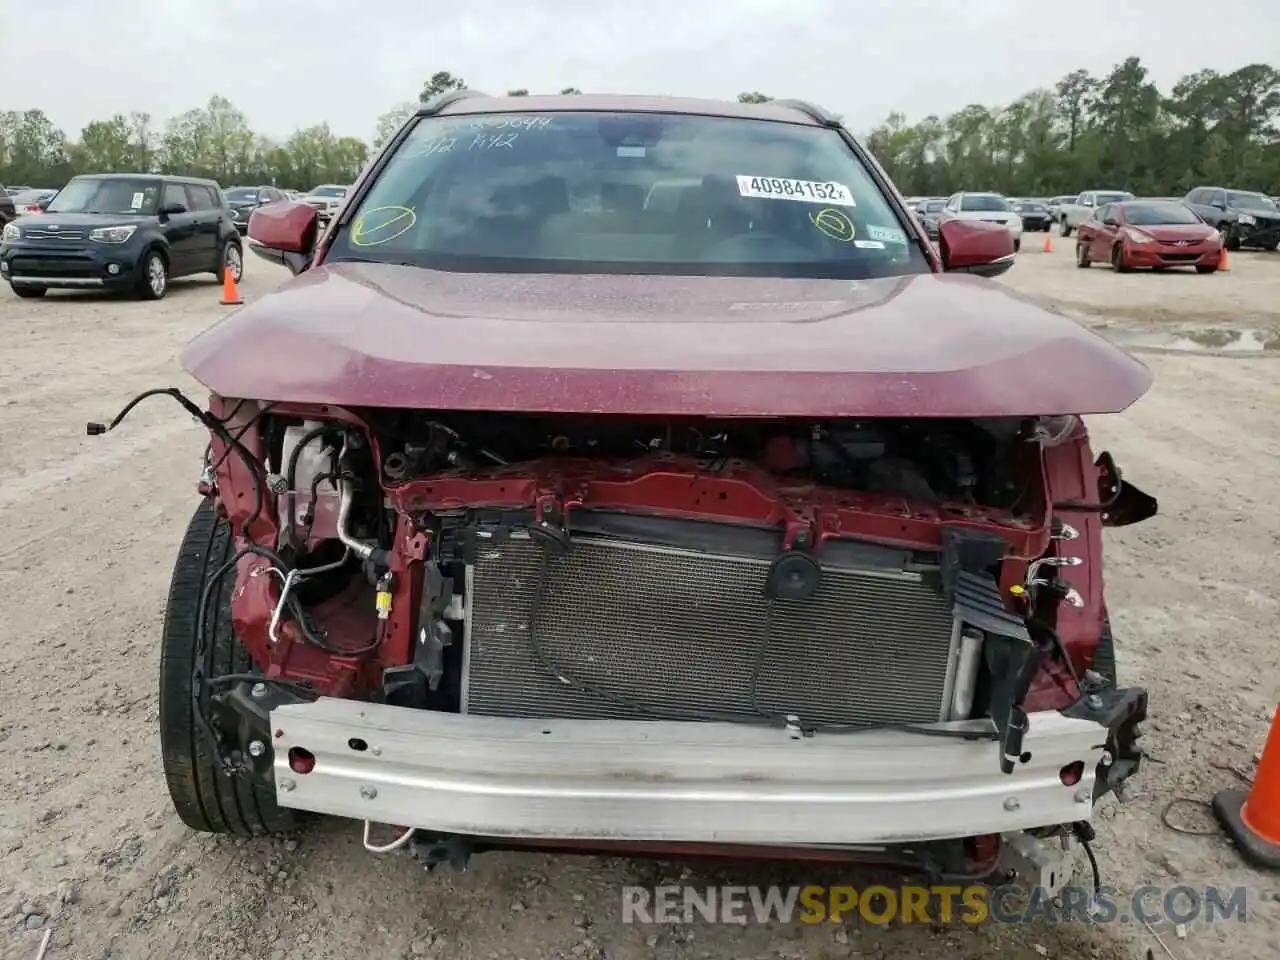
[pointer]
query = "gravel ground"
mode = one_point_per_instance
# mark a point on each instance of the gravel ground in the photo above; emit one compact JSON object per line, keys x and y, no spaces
{"x":90,"y":849}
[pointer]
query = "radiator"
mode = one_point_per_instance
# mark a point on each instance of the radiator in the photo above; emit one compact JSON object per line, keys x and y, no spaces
{"x":661,"y":632}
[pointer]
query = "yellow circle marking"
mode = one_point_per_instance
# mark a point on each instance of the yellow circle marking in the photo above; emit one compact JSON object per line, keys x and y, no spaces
{"x":834,"y":223}
{"x":370,"y":230}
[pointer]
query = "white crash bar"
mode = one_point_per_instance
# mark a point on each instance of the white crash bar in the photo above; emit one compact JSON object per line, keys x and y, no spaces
{"x":697,"y":782}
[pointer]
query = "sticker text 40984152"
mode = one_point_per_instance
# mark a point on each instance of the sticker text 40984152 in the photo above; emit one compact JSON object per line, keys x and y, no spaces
{"x":806,"y":191}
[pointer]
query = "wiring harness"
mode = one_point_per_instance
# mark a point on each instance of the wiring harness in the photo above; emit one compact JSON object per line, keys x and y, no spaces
{"x":289,"y":575}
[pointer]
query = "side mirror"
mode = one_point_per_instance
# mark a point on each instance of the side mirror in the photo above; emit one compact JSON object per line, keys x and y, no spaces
{"x":44,"y":204}
{"x":285,"y":233}
{"x":170,"y":209}
{"x":975,"y":246}
{"x":1218,"y":205}
{"x":1110,"y":222}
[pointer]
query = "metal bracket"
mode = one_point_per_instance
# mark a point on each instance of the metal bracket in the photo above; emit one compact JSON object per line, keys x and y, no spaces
{"x":1046,"y":864}
{"x":433,"y":849}
{"x":551,"y":519}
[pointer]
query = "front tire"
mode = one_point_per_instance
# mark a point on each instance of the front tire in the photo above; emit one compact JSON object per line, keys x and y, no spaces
{"x":1206,"y":268}
{"x":153,"y":276}
{"x":205,"y":798}
{"x":1230,"y":238}
{"x":231,"y":256}
{"x":1117,"y":259}
{"x":28,"y":292}
{"x":1082,"y":256}
{"x":1066,"y":228}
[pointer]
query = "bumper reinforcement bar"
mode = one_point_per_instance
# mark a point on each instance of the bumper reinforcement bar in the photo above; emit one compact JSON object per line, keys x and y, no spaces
{"x":664,"y":781}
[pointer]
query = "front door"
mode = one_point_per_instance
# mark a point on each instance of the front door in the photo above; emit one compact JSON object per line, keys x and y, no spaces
{"x":1104,"y":234}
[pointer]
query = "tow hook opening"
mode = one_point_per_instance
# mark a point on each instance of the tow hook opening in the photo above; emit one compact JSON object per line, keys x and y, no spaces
{"x":301,"y":760}
{"x":1071,"y":774}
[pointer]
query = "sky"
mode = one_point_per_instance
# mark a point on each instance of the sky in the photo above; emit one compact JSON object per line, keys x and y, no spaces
{"x":292,"y":63}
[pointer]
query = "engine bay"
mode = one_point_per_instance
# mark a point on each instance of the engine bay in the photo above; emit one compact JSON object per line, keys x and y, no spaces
{"x":930,"y":461}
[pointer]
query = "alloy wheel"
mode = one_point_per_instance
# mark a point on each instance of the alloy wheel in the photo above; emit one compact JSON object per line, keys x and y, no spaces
{"x":156,"y":277}
{"x":234,"y":262}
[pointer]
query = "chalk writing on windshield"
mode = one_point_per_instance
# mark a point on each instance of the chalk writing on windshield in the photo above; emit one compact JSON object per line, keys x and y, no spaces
{"x":500,"y":141}
{"x":476,"y":133}
{"x":834,"y":223}
{"x":428,"y":148}
{"x":501,"y":123}
{"x":380,"y":225}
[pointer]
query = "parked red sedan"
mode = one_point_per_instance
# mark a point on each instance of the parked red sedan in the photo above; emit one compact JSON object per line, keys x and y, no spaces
{"x":1148,"y":233}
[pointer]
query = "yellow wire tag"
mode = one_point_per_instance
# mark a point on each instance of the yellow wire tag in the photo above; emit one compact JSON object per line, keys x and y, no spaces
{"x":382,"y":601}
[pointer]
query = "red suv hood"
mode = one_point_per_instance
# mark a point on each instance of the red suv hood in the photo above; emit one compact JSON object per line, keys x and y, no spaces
{"x":360,"y":334}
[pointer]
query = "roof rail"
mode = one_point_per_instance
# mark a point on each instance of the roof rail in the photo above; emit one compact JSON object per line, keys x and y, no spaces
{"x":449,"y":97}
{"x":810,"y":110}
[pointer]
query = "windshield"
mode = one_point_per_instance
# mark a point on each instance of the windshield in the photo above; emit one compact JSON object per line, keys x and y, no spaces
{"x":934,"y":206}
{"x":977,"y":201}
{"x":122,"y":195}
{"x":1104,"y":198}
{"x":31,"y":196}
{"x":1030,"y":208}
{"x":628,"y":193}
{"x":241,"y":195}
{"x":1155,"y":214}
{"x":1251,"y":201}
{"x":329,"y":192}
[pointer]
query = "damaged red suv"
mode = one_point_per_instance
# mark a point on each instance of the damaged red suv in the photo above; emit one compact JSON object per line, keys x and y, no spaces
{"x":632,"y":474}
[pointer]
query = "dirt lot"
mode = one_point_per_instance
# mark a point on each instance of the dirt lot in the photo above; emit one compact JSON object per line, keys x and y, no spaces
{"x":90,"y":848}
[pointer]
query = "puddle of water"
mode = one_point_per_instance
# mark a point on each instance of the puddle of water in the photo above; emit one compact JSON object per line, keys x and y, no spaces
{"x":1227,"y":340}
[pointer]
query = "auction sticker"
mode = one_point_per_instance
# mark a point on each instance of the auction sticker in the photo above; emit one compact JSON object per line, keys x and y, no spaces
{"x":886,"y":234}
{"x":806,"y":191}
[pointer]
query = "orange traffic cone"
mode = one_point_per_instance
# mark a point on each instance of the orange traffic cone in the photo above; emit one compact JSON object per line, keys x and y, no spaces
{"x":1253,"y":820}
{"x":1048,"y":241}
{"x":230,"y":292}
{"x":1222,"y":261}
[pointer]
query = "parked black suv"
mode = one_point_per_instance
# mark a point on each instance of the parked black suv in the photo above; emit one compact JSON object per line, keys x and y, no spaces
{"x":244,"y":200}
{"x":127,"y":231}
{"x":1244,"y":218}
{"x":7,"y":210}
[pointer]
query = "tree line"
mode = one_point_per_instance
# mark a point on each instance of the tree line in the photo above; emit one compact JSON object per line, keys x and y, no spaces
{"x":1092,"y":133}
{"x":1086,"y":132}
